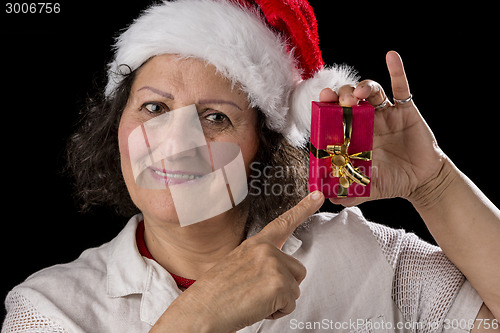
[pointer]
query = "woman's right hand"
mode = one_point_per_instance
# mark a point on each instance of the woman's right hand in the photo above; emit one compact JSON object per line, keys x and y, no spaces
{"x":255,"y":281}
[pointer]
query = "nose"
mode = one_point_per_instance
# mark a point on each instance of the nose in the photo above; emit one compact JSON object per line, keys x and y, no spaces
{"x":175,"y":134}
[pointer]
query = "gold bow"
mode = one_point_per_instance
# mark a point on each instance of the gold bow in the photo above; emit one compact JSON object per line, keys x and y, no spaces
{"x":341,"y":160}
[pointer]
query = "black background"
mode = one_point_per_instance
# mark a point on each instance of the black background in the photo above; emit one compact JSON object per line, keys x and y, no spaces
{"x":51,"y":62}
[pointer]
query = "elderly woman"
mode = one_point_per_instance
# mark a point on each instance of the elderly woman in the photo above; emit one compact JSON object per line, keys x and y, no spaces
{"x":205,"y":100}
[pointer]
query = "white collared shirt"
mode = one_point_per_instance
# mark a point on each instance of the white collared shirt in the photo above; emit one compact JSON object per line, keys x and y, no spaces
{"x":361,"y":277}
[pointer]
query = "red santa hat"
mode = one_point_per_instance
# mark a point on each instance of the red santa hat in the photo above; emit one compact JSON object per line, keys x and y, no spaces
{"x":270,"y":47}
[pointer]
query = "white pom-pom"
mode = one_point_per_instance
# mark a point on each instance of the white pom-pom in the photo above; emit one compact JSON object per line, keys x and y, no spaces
{"x":299,"y":121}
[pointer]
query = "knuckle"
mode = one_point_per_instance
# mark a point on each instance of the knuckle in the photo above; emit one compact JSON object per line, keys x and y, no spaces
{"x":285,"y":303}
{"x":283,"y":221}
{"x":250,"y":242}
{"x":292,"y":215}
{"x":272,"y":264}
{"x":346,"y":88}
{"x":296,"y":292}
{"x":302,"y":273}
{"x":291,"y":306}
{"x":264,"y":252}
{"x":277,"y":285}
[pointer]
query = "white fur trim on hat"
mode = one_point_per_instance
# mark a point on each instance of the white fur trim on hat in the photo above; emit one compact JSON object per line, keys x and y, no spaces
{"x":238,"y":42}
{"x":299,"y":121}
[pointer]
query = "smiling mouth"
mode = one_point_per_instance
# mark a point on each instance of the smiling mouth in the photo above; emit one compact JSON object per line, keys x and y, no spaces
{"x":176,"y":175}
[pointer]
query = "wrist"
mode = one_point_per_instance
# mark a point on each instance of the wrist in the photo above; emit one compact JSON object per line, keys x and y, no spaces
{"x":432,"y":192}
{"x":186,"y":314}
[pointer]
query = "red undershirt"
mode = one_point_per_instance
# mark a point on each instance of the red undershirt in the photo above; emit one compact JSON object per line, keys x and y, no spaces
{"x":143,"y":250}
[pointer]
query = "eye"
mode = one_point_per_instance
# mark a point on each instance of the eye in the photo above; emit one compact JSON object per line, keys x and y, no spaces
{"x":217,"y":118}
{"x":154,"y":108}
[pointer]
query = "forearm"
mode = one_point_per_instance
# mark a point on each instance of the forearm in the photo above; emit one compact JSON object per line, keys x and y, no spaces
{"x":466,"y":225}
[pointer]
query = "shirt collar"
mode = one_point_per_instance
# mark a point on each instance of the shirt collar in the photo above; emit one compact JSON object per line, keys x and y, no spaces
{"x":128,"y":272}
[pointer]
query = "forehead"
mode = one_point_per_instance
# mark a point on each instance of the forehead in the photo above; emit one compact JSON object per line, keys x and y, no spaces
{"x":185,"y":75}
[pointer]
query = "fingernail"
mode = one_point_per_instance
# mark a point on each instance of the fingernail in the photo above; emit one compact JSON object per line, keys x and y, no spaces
{"x":316,"y":195}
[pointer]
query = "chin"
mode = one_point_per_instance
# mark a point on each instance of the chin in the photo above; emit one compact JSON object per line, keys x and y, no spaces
{"x":155,"y":204}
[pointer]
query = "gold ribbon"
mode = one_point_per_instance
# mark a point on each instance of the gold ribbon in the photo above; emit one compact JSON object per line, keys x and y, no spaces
{"x":341,"y":160}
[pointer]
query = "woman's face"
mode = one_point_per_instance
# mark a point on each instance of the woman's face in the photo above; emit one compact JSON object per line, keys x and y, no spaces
{"x":163,"y":86}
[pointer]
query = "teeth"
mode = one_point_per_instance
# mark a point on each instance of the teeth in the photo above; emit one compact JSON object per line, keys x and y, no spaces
{"x":176,"y":175}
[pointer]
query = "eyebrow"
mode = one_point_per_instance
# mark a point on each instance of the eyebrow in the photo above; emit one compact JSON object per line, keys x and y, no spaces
{"x":158,"y":92}
{"x":218,"y":101}
{"x":201,"y":101}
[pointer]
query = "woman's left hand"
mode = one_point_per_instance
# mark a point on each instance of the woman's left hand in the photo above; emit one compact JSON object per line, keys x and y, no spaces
{"x":407,"y":161}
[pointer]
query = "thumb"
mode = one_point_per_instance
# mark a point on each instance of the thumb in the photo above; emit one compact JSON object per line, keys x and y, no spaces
{"x":278,"y":231}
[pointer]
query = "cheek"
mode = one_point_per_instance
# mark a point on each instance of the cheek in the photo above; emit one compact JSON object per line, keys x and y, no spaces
{"x":248,"y":140}
{"x":124,"y":131}
{"x":126,"y":126}
{"x":249,"y":147}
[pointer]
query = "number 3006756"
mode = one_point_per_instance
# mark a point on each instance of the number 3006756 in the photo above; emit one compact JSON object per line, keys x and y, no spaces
{"x":32,"y":8}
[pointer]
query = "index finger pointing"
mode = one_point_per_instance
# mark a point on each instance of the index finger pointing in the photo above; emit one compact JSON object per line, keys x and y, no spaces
{"x":278,"y":230}
{"x":400,"y":88}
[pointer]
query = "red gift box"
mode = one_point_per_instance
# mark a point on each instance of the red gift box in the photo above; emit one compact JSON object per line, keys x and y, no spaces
{"x":341,"y":149}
